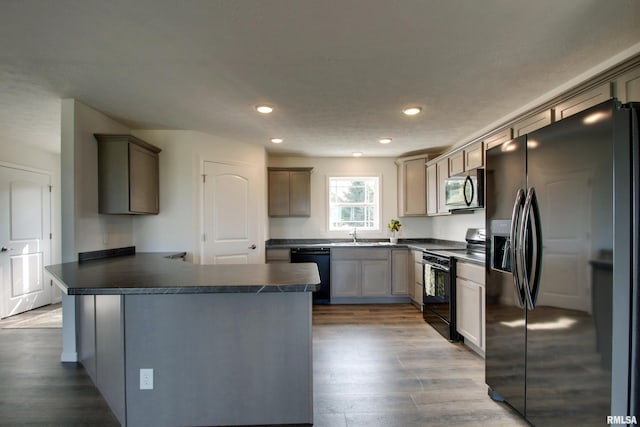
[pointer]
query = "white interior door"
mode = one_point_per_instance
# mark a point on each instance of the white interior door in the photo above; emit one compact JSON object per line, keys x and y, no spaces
{"x":25,"y":205}
{"x":231,"y":214}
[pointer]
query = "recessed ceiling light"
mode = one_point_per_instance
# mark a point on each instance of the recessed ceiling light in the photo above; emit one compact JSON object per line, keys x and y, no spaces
{"x":412,"y":111}
{"x":357,"y":154}
{"x":264,"y":109}
{"x":385,"y":140}
{"x":276,"y":140}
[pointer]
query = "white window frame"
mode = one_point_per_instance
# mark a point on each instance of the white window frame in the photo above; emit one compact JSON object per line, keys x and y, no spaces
{"x":377,"y":204}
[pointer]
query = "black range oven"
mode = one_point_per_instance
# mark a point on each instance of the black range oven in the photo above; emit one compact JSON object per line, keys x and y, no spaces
{"x":439,"y":294}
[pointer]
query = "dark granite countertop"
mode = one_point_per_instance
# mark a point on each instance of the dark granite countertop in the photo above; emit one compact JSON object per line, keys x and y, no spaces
{"x":448,"y":248}
{"x":418,"y":244}
{"x":158,"y":273}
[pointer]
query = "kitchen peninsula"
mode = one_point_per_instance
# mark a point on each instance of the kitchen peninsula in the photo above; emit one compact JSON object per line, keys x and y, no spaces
{"x":172,"y":343}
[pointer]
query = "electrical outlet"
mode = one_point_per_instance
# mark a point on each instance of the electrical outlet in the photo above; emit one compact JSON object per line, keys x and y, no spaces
{"x":146,"y":379}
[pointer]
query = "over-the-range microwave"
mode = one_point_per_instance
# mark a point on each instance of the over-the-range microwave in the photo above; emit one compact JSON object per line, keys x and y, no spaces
{"x":465,"y":192}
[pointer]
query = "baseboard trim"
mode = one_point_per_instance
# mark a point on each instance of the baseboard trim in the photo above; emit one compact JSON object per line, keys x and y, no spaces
{"x":69,"y":357}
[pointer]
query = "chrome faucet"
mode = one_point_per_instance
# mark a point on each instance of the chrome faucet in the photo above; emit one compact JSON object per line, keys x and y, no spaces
{"x":354,"y":233}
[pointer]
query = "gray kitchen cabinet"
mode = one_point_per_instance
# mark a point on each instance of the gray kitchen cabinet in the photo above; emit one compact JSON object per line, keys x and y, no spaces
{"x":473,"y":156}
{"x":400,"y":272}
{"x":470,"y":304}
{"x":456,"y":163}
{"x":278,"y":255}
{"x":432,"y":189}
{"x":289,"y":192}
{"x":412,"y":182}
{"x":345,"y":278}
{"x":467,"y":159}
{"x":410,"y":275}
{"x":442,"y":173}
{"x":375,"y":278}
{"x":360,"y":275}
{"x":499,"y":137}
{"x":627,"y":86}
{"x":582,"y":101}
{"x":531,"y":123}
{"x":418,"y":288}
{"x":128,"y":175}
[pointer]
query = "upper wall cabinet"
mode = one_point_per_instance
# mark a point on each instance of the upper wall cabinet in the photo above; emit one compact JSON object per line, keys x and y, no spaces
{"x":289,"y":192}
{"x":582,"y":101}
{"x":442,"y":173}
{"x":128,"y":179}
{"x":456,"y":163}
{"x":627,"y":86}
{"x":412,"y":186}
{"x":469,"y":158}
{"x":532,"y":123}
{"x":500,"y":137}
{"x":473,"y":156}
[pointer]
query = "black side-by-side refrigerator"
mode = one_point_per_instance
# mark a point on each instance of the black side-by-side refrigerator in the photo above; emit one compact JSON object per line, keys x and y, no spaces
{"x":561,"y":275}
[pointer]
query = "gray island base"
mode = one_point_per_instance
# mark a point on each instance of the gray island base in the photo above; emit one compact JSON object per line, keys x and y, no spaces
{"x":218,"y":357}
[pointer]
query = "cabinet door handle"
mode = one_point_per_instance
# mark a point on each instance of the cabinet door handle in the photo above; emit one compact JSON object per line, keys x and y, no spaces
{"x":252,"y":247}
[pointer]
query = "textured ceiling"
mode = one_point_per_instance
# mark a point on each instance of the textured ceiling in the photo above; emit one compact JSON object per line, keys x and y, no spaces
{"x":337,"y":71}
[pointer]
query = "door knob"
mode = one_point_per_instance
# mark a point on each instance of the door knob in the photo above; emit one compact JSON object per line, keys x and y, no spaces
{"x":252,"y":247}
{"x":5,"y":249}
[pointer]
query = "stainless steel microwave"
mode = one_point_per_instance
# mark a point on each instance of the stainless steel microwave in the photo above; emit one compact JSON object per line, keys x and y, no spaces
{"x":465,"y":192}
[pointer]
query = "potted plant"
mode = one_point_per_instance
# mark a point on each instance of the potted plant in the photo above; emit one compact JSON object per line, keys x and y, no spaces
{"x":394,"y":227}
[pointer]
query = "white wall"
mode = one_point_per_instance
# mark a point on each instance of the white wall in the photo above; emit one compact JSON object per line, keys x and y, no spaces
{"x":316,"y":226}
{"x":178,"y":225}
{"x":82,"y":227}
{"x":454,"y":227}
{"x":451,"y":227}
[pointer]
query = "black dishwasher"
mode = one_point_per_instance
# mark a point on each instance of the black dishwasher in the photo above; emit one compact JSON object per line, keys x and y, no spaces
{"x":321,"y":256}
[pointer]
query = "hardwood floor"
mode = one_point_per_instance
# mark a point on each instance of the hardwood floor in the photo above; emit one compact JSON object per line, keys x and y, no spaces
{"x":383,"y":366}
{"x":373,"y":366}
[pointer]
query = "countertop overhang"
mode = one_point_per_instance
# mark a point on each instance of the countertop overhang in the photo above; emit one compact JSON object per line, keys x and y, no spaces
{"x":158,"y":273}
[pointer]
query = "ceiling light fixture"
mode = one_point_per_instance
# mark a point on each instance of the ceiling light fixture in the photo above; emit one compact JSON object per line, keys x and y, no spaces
{"x":412,"y":111}
{"x":357,"y":154}
{"x":277,"y":140}
{"x":385,"y":140}
{"x":264,"y":109}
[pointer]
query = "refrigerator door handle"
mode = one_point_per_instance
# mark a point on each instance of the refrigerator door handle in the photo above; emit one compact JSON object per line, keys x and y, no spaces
{"x":537,"y":271}
{"x":514,"y":245}
{"x":532,"y":279}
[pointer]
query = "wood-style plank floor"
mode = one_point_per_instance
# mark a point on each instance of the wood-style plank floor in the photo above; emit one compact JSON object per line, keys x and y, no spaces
{"x":374,"y":365}
{"x":382,"y":365}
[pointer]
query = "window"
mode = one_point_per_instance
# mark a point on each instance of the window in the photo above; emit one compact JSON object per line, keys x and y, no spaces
{"x":354,"y":202}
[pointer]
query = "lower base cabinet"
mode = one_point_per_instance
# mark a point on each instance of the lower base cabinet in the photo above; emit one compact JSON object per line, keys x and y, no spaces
{"x":416,"y":284}
{"x":365,"y":275}
{"x":345,"y":278}
{"x":360,"y":272}
{"x":470,"y":304}
{"x":400,"y":272}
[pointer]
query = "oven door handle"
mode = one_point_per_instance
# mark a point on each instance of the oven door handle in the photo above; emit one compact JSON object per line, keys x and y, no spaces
{"x":436,"y":266}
